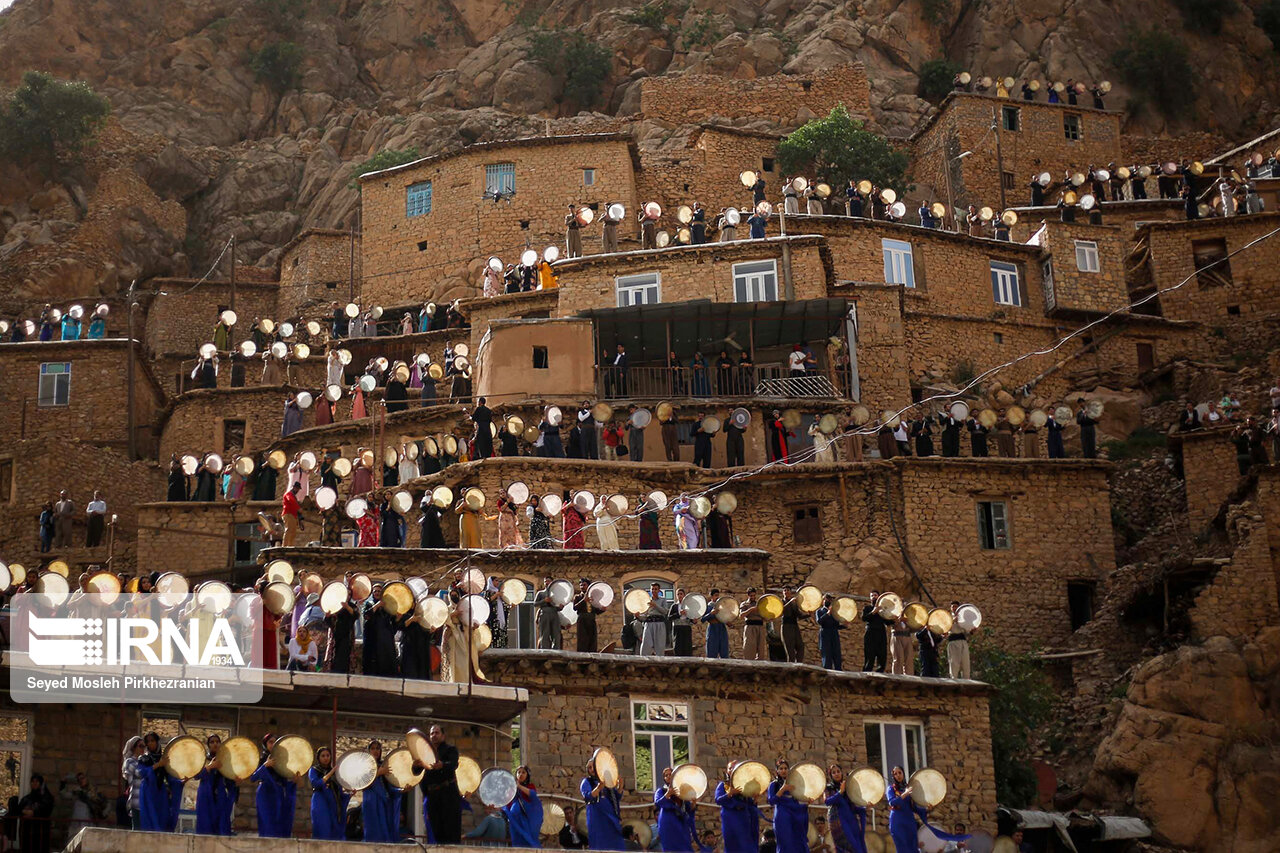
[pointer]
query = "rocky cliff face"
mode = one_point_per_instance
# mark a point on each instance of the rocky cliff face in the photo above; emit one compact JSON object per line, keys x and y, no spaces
{"x":199,"y":130}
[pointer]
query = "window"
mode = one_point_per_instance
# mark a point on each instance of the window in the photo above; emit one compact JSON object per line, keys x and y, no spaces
{"x":422,"y":245}
{"x":1087,"y":256}
{"x":661,"y":737}
{"x":1080,"y":602}
{"x":521,"y":633}
{"x":1213,"y":269}
{"x":1146,"y":357}
{"x":1006,"y":180}
{"x":1071,"y":126}
{"x":1005,"y":286}
{"x":896,"y":743}
{"x":998,"y":337}
{"x":539,"y":358}
{"x":6,"y":480}
{"x":1046,"y":276}
{"x":250,"y":541}
{"x":588,"y":177}
{"x":766,"y":164}
{"x":500,"y":178}
{"x":1011,"y":118}
{"x":806,"y":525}
{"x":899,"y":265}
{"x":755,"y":281}
{"x":233,"y":431}
{"x":993,"y":525}
{"x":417,"y":199}
{"x":55,"y":384}
{"x":642,"y":289}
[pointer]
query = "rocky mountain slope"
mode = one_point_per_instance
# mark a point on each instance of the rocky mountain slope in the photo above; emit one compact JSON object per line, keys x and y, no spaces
{"x":198,"y":128}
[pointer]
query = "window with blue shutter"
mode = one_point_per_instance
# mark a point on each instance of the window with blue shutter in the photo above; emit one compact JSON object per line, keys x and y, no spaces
{"x":417,"y":199}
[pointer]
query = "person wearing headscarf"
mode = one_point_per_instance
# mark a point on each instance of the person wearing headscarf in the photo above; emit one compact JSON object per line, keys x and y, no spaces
{"x":292,"y":417}
{"x":415,"y":648}
{"x":390,"y":522}
{"x":379,"y":637}
{"x":547,"y":618}
{"x":328,"y":800}
{"x":217,"y":794}
{"x":539,"y":524}
{"x":161,"y":794}
{"x":524,"y":813}
{"x":606,"y":527}
{"x":35,"y":809}
{"x":380,"y":811}
{"x":790,"y":815}
{"x":133,"y":751}
{"x":468,"y":525}
{"x":848,"y":821}
{"x":650,"y":527}
{"x":604,"y":811}
{"x":574,"y":524}
{"x":508,"y":524}
{"x":739,"y":815}
{"x":432,"y":534}
{"x":673,"y":829}
{"x":276,"y":797}
{"x":97,"y":328}
{"x":686,"y":524}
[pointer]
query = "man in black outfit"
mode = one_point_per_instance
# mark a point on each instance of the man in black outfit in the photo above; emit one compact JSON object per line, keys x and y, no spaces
{"x":701,"y":444}
{"x":440,"y":787}
{"x":482,"y":417}
{"x":875,"y":643}
{"x":734,"y":446}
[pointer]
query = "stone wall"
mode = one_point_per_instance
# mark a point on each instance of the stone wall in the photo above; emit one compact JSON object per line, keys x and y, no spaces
{"x":1059,"y":519}
{"x":1071,"y":288}
{"x":197,"y":539}
{"x":182,"y":320}
{"x":1128,"y":216}
{"x":963,"y":123}
{"x":528,"y":358}
{"x":748,"y":711}
{"x":439,"y":255}
{"x":1238,"y":316}
{"x":96,"y":409}
{"x":782,"y":98}
{"x":1210,"y":472}
{"x":708,"y":169}
{"x":196,"y":421}
{"x":317,"y":267}
{"x":1242,"y":594}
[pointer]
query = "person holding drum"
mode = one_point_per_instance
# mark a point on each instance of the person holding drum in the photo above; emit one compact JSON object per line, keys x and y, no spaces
{"x":874,"y":640}
{"x":755,"y":645}
{"x":161,"y":795}
{"x":653,"y":636}
{"x":673,"y":824}
{"x":524,"y":813}
{"x":276,"y":796}
{"x":442,"y":803}
{"x":848,"y":821}
{"x":717,"y":631}
{"x":547,"y":618}
{"x":379,"y":637}
{"x":588,"y":638}
{"x":1088,"y":431}
{"x":829,"y":629}
{"x":790,"y":816}
{"x":604,"y":810}
{"x":681,"y":627}
{"x":792,"y":641}
{"x":429,"y":522}
{"x":739,"y":816}
{"x":958,"y":646}
{"x":342,"y":632}
{"x":380,"y":811}
{"x":216,"y":795}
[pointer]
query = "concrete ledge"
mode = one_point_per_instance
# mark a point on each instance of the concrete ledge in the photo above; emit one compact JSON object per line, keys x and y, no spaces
{"x":100,"y":840}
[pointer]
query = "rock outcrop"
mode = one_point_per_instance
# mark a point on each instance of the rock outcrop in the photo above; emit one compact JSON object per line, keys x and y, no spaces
{"x":1193,"y":750}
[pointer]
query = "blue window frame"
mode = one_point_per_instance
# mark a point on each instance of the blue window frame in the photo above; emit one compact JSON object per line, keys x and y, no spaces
{"x":500,"y":178}
{"x":417,"y":199}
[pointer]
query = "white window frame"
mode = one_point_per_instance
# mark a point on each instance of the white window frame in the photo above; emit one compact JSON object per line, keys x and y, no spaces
{"x":753,"y":281}
{"x":516,"y":617}
{"x":1006,"y":284}
{"x":659,"y":731}
{"x":641,"y":285}
{"x":1087,"y":256}
{"x":588,"y":177}
{"x":899,"y":262}
{"x":1046,"y":280}
{"x":499,"y":177}
{"x":49,"y":399}
{"x":906,"y":723}
{"x":995,"y":543}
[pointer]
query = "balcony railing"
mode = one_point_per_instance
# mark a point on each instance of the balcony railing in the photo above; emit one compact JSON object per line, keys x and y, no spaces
{"x":761,"y":380}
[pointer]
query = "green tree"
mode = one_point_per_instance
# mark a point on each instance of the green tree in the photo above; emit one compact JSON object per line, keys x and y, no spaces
{"x":1154,"y":64}
{"x":936,"y":78}
{"x":46,"y":121}
{"x":582,"y":64}
{"x":836,"y":149}
{"x":1023,"y":700}
{"x":385,"y":159}
{"x":279,"y":65}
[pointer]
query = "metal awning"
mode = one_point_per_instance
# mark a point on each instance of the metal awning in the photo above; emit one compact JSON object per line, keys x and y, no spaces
{"x":1099,"y":827}
{"x":649,"y":332}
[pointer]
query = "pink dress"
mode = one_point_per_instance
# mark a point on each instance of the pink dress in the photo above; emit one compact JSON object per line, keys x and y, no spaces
{"x":574,"y":522}
{"x":357,"y":407}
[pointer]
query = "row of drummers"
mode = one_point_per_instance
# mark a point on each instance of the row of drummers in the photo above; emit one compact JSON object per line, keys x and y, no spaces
{"x":51,"y":316}
{"x":965,"y":81}
{"x":460,"y":363}
{"x":1015,"y":415}
{"x":818,"y":192}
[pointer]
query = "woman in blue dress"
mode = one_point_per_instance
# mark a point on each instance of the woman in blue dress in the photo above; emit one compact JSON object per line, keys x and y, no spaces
{"x":380,"y":812}
{"x":328,"y":800}
{"x":161,"y":795}
{"x":852,"y":819}
{"x":604,"y":811}
{"x":902,"y":816}
{"x":524,"y":813}
{"x":213,"y":811}
{"x":673,"y":825}
{"x":790,"y":816}
{"x":739,"y":817}
{"x":276,"y":797}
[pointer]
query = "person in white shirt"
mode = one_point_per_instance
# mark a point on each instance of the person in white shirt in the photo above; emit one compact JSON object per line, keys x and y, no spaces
{"x":796,"y":360}
{"x":303,"y":652}
{"x":96,"y":513}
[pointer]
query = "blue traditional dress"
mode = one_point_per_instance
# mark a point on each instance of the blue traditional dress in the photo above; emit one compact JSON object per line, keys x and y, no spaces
{"x":604,"y":816}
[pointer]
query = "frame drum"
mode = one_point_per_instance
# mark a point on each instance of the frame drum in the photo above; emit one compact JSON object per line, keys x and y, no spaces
{"x":689,"y":781}
{"x":279,"y":570}
{"x":212,"y":597}
{"x":845,"y":609}
{"x":560,"y":593}
{"x":244,"y":466}
{"x":473,"y":497}
{"x":859,"y":414}
{"x":968,"y":617}
{"x":473,"y":610}
{"x":929,"y":787}
{"x":751,"y":778}
{"x":865,"y":786}
{"x":584,"y":501}
{"x":770,"y":607}
{"x":642,"y":831}
{"x":606,"y":765}
{"x":808,"y":780}
{"x":238,"y":758}
{"x":1062,"y":415}
{"x":333,"y":596}
{"x":402,"y":502}
{"x":103,"y":584}
{"x":889,"y":606}
{"x":356,"y":769}
{"x":959,"y":410}
{"x":791,"y":418}
{"x":694,"y":605}
{"x":657,"y":500}
{"x":600,"y":594}
{"x":497,"y":787}
{"x":186,"y":756}
{"x":52,"y":588}
{"x":518,"y":492}
{"x":416,"y":741}
{"x":6,"y":578}
{"x":400,"y":769}
{"x":442,"y":497}
{"x":431,"y":612}
{"x":809,"y":599}
{"x":916,"y":615}
{"x":552,"y":821}
{"x":711,"y":424}
{"x":326,"y":497}
{"x":733,"y":217}
{"x":726,"y":610}
{"x":988,"y":418}
{"x":171,"y":587}
{"x":278,"y":598}
{"x":513,"y":592}
{"x":636,"y":601}
{"x":361,"y":587}
{"x":357,"y":508}
{"x":616,"y":505}
{"x":469,"y":775}
{"x":940,"y":621}
{"x":397,"y":598}
{"x":293,"y":754}
{"x":1037,"y":418}
{"x":641,"y":418}
{"x":550,"y":505}
{"x":700,"y":507}
{"x":827,"y":424}
{"x":554,"y":416}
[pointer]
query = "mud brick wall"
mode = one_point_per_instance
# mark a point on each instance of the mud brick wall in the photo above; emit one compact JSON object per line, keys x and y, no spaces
{"x":316,"y":267}
{"x":1210,"y":472}
{"x":440,"y":254}
{"x":1059,"y":531}
{"x":785,"y":99}
{"x":185,"y":318}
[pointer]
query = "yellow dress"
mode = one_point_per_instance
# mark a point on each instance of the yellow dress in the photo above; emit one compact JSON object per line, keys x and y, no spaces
{"x":469,"y":529}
